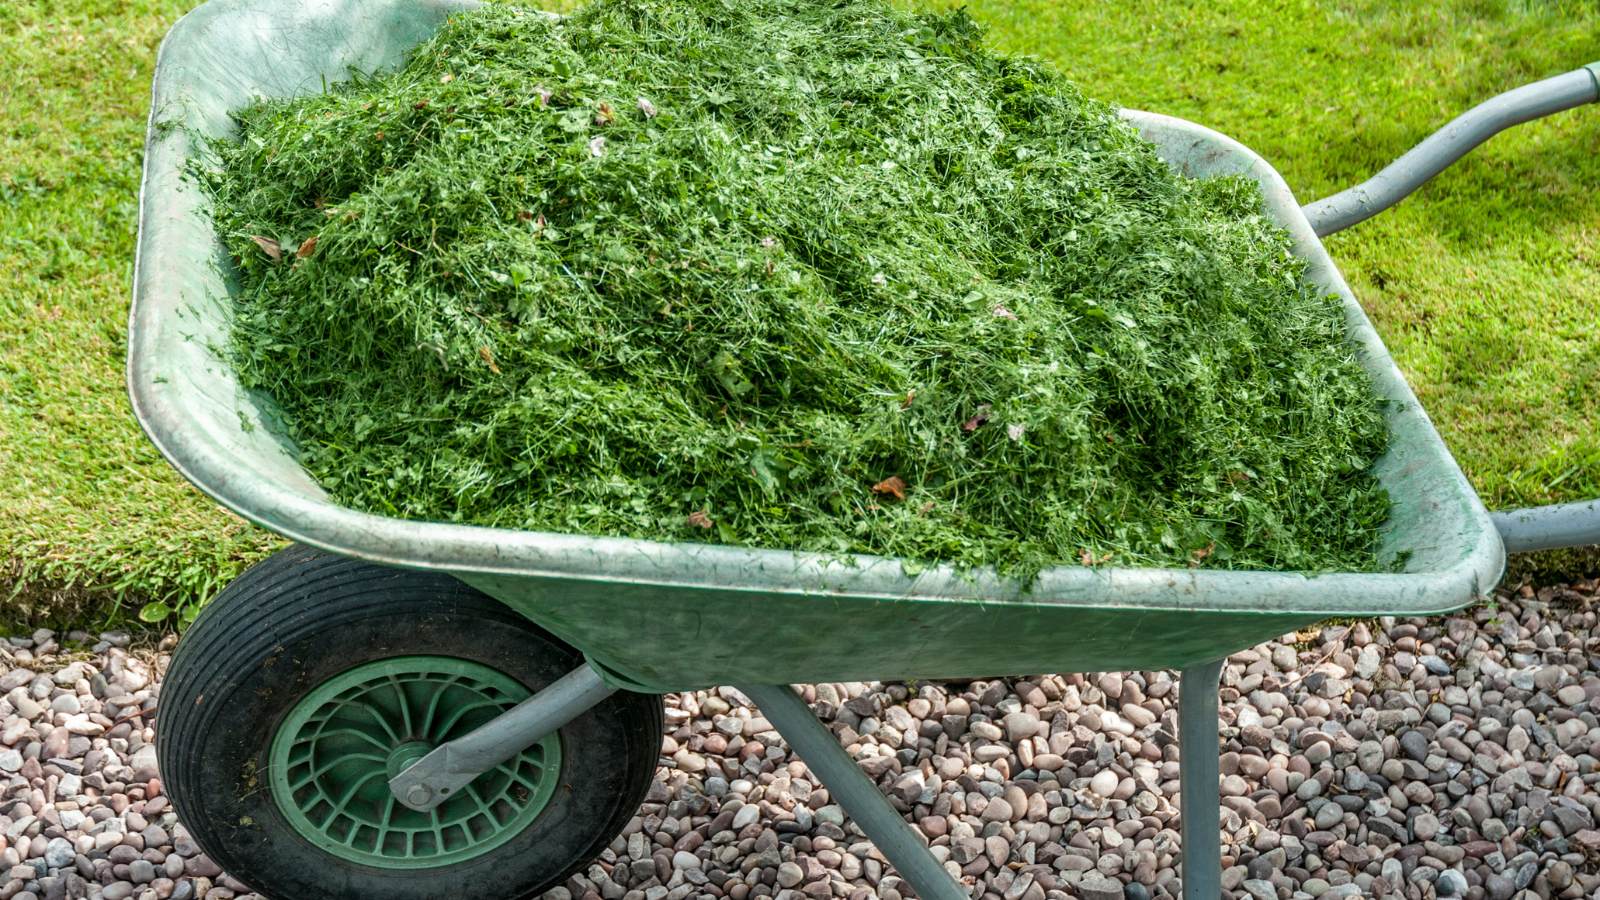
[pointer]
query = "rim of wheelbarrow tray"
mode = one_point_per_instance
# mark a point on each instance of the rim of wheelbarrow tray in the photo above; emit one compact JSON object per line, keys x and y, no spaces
{"x":222,"y":438}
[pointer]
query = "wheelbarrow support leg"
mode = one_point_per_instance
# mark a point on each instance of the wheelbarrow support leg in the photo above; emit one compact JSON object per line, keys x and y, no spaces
{"x":453,"y":765}
{"x":855,"y":792}
{"x":1200,"y":797}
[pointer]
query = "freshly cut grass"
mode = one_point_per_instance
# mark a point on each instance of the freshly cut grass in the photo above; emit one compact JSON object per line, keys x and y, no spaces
{"x":774,"y":273}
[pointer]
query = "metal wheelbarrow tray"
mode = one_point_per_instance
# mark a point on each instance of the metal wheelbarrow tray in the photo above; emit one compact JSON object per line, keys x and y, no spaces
{"x":633,"y":606}
{"x":649,"y":617}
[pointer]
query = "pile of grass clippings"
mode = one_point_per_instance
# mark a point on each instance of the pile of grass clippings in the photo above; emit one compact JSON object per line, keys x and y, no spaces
{"x":779,"y":273}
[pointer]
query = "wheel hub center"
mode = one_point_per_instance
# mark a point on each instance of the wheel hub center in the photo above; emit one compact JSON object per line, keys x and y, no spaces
{"x":401,"y":757}
{"x":334,"y":756}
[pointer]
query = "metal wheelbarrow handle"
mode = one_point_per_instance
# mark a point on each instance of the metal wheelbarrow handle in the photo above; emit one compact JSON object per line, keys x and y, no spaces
{"x":1536,"y":528}
{"x":1442,"y":148}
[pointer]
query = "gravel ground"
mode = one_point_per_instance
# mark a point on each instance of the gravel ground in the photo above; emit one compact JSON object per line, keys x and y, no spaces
{"x":1420,"y":758}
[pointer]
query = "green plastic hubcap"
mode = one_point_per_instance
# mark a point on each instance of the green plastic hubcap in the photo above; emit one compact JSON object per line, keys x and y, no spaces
{"x":333,"y":757}
{"x":404,"y":755}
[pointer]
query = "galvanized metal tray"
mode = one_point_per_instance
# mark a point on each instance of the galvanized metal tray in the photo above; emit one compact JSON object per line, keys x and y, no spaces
{"x":674,"y":616}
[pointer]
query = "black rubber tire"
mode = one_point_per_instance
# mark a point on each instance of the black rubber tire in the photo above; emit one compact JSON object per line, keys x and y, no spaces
{"x":303,"y":616}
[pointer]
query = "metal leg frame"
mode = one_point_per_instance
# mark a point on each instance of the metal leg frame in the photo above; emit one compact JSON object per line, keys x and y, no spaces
{"x":453,"y":765}
{"x":425,"y":783}
{"x":1200,"y":797}
{"x":1200,"y":801}
{"x":854,"y":791}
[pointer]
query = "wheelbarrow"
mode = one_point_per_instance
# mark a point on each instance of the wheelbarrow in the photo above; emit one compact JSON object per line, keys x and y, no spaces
{"x":398,"y":709}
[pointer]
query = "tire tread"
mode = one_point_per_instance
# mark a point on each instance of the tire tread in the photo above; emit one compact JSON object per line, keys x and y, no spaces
{"x":300,"y":593}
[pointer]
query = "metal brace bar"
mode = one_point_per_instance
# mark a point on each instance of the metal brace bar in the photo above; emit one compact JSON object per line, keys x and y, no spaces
{"x":855,"y":792}
{"x":1199,"y":791}
{"x":453,"y":765}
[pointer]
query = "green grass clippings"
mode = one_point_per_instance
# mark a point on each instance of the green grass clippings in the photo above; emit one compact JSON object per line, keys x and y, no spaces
{"x":774,"y":273}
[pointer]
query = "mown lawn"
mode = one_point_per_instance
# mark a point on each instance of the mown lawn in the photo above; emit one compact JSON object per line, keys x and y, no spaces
{"x":84,"y":499}
{"x":1486,"y":284}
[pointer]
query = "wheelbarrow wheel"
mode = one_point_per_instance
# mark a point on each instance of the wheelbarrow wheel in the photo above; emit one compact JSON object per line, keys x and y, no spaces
{"x":313,"y":679}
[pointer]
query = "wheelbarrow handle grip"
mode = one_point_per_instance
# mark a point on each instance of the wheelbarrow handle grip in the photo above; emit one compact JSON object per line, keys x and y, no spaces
{"x":1450,"y":143}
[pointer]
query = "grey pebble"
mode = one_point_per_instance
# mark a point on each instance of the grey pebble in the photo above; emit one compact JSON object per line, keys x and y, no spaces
{"x":1434,"y":664}
{"x":1075,"y":776}
{"x":1414,"y":745}
{"x":1451,"y":883}
{"x":1095,"y":886}
{"x":1499,"y":887}
{"x":1260,"y":889}
{"x":59,"y":852}
{"x":141,"y":871}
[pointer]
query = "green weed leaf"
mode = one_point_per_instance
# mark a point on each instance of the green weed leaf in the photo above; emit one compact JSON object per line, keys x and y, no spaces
{"x":155,"y":611}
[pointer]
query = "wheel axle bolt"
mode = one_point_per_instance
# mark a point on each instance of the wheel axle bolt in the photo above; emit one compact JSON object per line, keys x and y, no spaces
{"x":418,"y":794}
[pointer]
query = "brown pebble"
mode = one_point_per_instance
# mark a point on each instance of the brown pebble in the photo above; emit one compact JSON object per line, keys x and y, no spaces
{"x":201,"y":866}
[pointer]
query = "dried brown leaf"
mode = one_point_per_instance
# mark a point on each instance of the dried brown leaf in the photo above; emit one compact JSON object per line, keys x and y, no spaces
{"x":489,"y":358}
{"x":910,"y":396}
{"x":700,"y":519}
{"x":268,"y":246}
{"x":978,"y":418}
{"x":307,"y":248}
{"x":891,"y":485}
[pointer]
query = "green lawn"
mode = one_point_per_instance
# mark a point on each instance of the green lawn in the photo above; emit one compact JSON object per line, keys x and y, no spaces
{"x":84,"y":499}
{"x":1486,"y":284}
